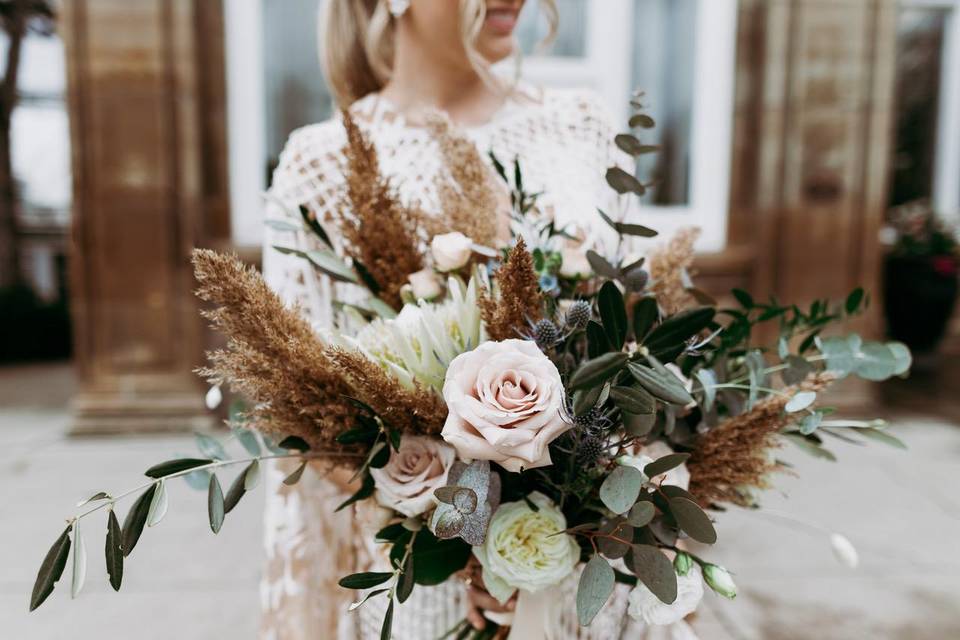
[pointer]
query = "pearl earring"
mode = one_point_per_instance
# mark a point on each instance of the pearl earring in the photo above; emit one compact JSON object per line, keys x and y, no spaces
{"x":398,"y":7}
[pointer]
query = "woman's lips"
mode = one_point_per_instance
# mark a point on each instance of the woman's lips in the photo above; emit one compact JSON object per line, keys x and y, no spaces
{"x":501,"y":21}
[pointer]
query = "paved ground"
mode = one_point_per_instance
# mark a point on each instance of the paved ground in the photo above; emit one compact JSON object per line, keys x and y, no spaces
{"x":900,"y":509}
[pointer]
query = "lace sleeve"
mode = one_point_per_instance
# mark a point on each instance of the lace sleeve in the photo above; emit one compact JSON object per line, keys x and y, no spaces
{"x":308,"y":546}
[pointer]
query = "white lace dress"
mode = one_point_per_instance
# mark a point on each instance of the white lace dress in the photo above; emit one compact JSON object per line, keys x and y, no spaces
{"x":564,"y":142}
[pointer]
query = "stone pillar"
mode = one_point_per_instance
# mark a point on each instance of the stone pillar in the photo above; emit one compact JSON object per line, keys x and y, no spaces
{"x":149,"y":186}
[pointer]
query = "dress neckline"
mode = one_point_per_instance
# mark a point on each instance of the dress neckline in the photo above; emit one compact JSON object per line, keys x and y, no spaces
{"x":381,"y":109}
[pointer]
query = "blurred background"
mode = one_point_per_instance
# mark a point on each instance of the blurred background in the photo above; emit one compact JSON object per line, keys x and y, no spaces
{"x":816,"y":142}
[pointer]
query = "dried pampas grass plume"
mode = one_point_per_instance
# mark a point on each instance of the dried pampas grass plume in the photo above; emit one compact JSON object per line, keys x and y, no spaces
{"x":518,"y":301}
{"x":418,"y":410}
{"x":734,"y":457}
{"x":468,"y":202}
{"x":379,"y":231}
{"x":667,"y":265}
{"x":272,"y":356}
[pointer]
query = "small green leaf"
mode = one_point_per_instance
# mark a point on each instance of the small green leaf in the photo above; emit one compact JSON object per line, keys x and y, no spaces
{"x":902,"y":357}
{"x":371,"y":594}
{"x":158,"y":506}
{"x":797,"y":370}
{"x":642,"y":120}
{"x":596,"y":585}
{"x":810,"y":423}
{"x":294,"y":477}
{"x":295,"y":443}
{"x":235,"y":492}
{"x":664,"y":464}
{"x":251,"y":477}
{"x":386,"y":631}
{"x":51,"y":569}
{"x":94,"y":498}
{"x":664,"y":386}
{"x":641,"y":514}
{"x":136,"y":519}
{"x":364,"y":580}
{"x":800,"y":401}
{"x":676,"y":330}
{"x":406,"y":582}
{"x":114,"y":551}
{"x":330,"y":264}
{"x":645,"y":313}
{"x":215,"y":507}
{"x":810,"y":447}
{"x":613,"y":314}
{"x":210,"y":447}
{"x":852,"y":304}
{"x":598,"y":370}
{"x":597,"y":342}
{"x":365,"y":491}
{"x":198,"y":480}
{"x":882,"y":436}
{"x":744,"y":298}
{"x":174,"y":466}
{"x":693,"y":520}
{"x":875,"y":362}
{"x":655,"y":570}
{"x":634,"y":401}
{"x":708,"y":382}
{"x":248,"y":440}
{"x":601,"y":266}
{"x":79,"y":576}
{"x":622,"y":182}
{"x":621,"y":489}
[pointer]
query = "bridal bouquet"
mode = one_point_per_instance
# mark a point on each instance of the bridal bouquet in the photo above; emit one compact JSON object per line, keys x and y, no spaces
{"x":509,"y":397}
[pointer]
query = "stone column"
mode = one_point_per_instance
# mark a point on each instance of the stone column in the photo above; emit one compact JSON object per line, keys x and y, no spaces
{"x":149,"y":186}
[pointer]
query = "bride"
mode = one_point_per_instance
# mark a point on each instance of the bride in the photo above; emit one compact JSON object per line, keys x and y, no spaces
{"x":393,"y":63}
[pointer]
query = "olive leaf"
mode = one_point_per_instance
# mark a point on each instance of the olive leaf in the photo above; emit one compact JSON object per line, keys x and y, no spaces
{"x":215,"y":506}
{"x":365,"y":580}
{"x":51,"y":569}
{"x":634,"y":401}
{"x":663,"y":385}
{"x":114,"y":551}
{"x":613,"y":314}
{"x":664,"y":464}
{"x":171,"y":467}
{"x":598,"y":370}
{"x":294,"y":477}
{"x":136,"y":519}
{"x":79,"y":576}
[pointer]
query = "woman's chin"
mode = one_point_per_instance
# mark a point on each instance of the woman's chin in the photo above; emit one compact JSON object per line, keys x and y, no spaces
{"x":495,"y":49}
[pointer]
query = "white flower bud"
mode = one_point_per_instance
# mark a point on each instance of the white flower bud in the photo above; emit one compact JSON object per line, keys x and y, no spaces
{"x":844,"y":551}
{"x":720,"y":580}
{"x":451,"y":251}
{"x":425,"y":284}
{"x":214,"y":397}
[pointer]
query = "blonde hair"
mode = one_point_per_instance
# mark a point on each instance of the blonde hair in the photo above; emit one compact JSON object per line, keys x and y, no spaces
{"x":358,"y":42}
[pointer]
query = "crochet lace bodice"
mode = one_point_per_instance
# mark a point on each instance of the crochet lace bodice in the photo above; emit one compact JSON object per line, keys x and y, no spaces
{"x":563,"y":140}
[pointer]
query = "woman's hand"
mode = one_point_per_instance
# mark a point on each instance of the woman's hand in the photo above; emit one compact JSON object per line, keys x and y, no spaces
{"x":479,"y":600}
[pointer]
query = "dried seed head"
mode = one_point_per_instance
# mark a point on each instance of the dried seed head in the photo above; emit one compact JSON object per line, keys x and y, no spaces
{"x":578,"y":315}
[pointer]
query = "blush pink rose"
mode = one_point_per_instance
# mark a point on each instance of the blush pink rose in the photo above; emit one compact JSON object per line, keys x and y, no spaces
{"x":407,"y":482}
{"x":504,"y":401}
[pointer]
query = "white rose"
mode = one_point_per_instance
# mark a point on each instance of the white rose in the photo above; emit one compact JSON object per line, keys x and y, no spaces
{"x":647,"y":608}
{"x":407,"y":482}
{"x":504,"y":401}
{"x":523,"y":549}
{"x":451,"y":251}
{"x":425,"y":284}
{"x":575,"y":263}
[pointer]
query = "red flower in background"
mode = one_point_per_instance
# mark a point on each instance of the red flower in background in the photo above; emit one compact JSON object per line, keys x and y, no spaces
{"x":945,"y":265}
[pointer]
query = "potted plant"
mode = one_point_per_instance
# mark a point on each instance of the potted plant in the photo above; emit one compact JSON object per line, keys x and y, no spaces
{"x":920,"y":276}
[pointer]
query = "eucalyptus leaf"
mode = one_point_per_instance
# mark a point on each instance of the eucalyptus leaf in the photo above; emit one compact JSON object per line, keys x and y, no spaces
{"x":621,"y":489}
{"x":642,"y":120}
{"x":665,"y":463}
{"x":810,"y":423}
{"x":215,"y":507}
{"x":114,"y":551}
{"x":51,"y":569}
{"x":601,"y":266}
{"x":654,"y":570}
{"x":641,"y":514}
{"x":693,"y":520}
{"x":797,"y":370}
{"x":902,"y":357}
{"x":841,"y":357}
{"x":876,"y":362}
{"x":596,"y":585}
{"x":622,"y":182}
{"x":136,"y":519}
